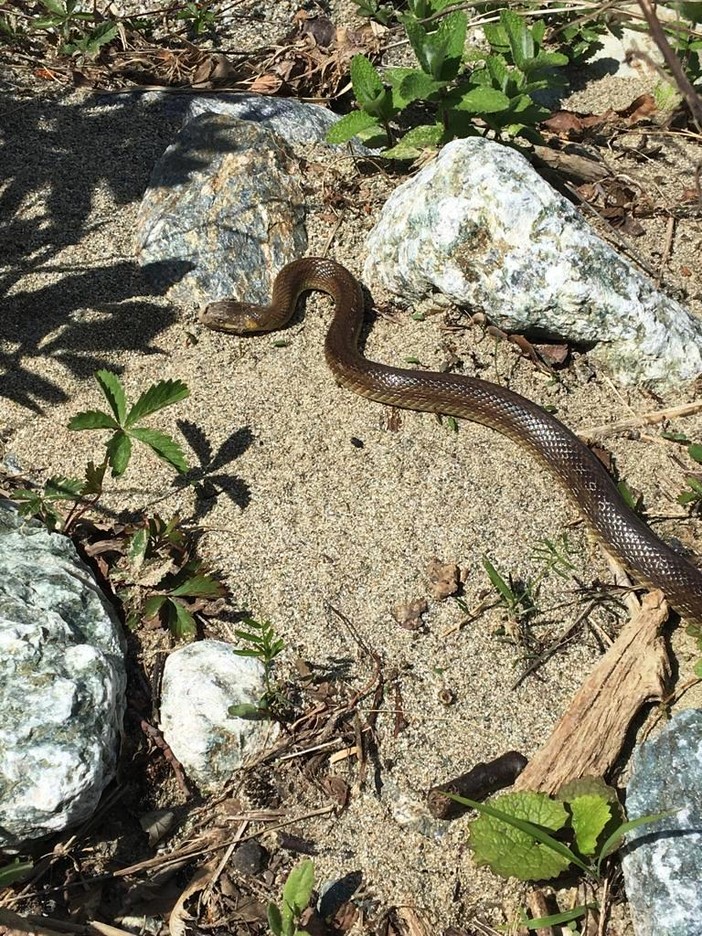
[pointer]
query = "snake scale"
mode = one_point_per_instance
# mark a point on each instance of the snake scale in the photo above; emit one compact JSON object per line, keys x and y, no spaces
{"x":553,"y":444}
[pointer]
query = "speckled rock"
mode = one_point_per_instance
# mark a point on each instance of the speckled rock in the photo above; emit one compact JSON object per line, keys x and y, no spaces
{"x":62,"y":683}
{"x":663,"y":862}
{"x":480,"y":226}
{"x":225,"y":189}
{"x":200,"y":682}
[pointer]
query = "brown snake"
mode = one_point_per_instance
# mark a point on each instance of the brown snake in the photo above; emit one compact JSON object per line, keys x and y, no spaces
{"x":556,"y":447}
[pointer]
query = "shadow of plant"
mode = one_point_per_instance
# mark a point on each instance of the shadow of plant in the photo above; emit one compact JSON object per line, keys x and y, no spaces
{"x":207,"y":480}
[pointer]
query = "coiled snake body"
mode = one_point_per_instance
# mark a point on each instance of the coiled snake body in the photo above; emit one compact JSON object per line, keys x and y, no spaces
{"x":555,"y":446}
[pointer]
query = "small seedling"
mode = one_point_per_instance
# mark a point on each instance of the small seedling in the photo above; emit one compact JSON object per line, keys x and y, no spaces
{"x":693,"y":497}
{"x":284,"y":919}
{"x":262,"y":643}
{"x":175,"y":591}
{"x":199,"y":18}
{"x":517,"y":597}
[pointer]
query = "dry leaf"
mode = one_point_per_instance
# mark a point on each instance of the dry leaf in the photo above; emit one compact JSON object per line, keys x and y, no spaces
{"x":408,"y":614}
{"x":444,"y":578}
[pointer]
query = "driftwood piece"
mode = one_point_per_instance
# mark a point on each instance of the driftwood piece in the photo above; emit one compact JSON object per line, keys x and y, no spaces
{"x":589,"y":737}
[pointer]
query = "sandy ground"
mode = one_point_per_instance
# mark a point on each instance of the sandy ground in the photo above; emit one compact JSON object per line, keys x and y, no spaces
{"x":326,"y":522}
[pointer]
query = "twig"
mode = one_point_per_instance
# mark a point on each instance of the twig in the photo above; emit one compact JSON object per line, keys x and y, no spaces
{"x":595,"y":433}
{"x":694,"y":101}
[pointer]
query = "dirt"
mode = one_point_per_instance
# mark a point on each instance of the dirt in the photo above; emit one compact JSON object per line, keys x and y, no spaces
{"x":343,"y":504}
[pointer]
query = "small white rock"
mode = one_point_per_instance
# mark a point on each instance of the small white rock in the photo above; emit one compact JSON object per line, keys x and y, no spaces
{"x":200,"y":682}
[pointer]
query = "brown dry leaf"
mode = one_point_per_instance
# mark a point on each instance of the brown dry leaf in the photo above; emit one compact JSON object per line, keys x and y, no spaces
{"x":345,"y":917}
{"x":179,"y":918}
{"x":642,"y":106}
{"x":337,"y":789}
{"x":444,"y":578}
{"x":408,"y":614}
{"x":554,"y":355}
{"x":266,"y":84}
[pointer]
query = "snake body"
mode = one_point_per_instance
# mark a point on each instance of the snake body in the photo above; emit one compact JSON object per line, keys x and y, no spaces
{"x":553,"y":444}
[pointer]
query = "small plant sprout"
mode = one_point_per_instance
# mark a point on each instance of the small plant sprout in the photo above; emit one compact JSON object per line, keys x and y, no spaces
{"x":261,"y":642}
{"x":518,"y":598}
{"x":692,"y":498}
{"x":284,"y":919}
{"x":176,"y":591}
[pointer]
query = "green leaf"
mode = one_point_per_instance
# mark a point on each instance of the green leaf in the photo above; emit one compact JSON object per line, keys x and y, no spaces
{"x":92,"y":419}
{"x":697,"y":669}
{"x":615,"y":839}
{"x":509,"y":841}
{"x":119,"y":451}
{"x":367,"y":84}
{"x":159,"y":395}
{"x":199,"y":586}
{"x":521,"y":42}
{"x":695,"y":452}
{"x":350,"y":125}
{"x":248,"y":712}
{"x":298,"y":887}
{"x":274,"y":919}
{"x":557,"y":918}
{"x":483,"y":100}
{"x":589,"y":817}
{"x":153,"y":605}
{"x":111,"y":386}
{"x":451,"y":37}
{"x":181,"y":623}
{"x":416,"y":141}
{"x":163,"y":445}
{"x":138,"y":545}
{"x":54,"y":7}
{"x":59,"y":488}
{"x":417,"y":86}
{"x":497,"y":581}
{"x":417,"y":36}
{"x":15,"y":871}
{"x":94,"y":477}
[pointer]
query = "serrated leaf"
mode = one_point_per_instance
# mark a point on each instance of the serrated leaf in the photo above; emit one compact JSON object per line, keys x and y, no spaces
{"x":367,"y":84}
{"x":59,"y":488}
{"x":298,"y":887}
{"x":94,"y":477}
{"x":181,"y":623}
{"x":483,"y":100}
{"x":416,"y":141}
{"x":119,"y":451}
{"x":111,"y":386}
{"x":163,"y":446}
{"x":451,"y":35}
{"x":349,"y":125}
{"x":159,"y":395}
{"x":521,"y":42}
{"x":418,"y":86}
{"x":92,"y":419}
{"x":589,"y":817}
{"x":54,"y":7}
{"x":512,"y":839}
{"x":153,"y":605}
{"x":417,"y":36}
{"x":199,"y":586}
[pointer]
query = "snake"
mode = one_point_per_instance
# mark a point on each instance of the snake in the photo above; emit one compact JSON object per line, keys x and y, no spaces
{"x":554,"y":445}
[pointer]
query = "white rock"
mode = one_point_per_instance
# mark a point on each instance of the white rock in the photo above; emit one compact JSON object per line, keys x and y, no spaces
{"x":479,"y":225}
{"x":200,"y":682}
{"x":62,"y":682}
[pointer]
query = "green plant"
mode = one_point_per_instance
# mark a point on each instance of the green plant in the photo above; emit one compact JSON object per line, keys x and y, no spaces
{"x":170,"y":600}
{"x":199,"y":18}
{"x":85,"y":493}
{"x":284,"y":919}
{"x":693,"y":497}
{"x":70,"y":22}
{"x":16,"y":870}
{"x":495,"y":94}
{"x":517,"y":597}
{"x":375,"y":9}
{"x":516,"y":834}
{"x":263,"y":644}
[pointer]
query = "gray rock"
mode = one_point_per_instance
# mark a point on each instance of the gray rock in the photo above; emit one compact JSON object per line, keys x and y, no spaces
{"x":293,"y":121}
{"x":224,"y":208}
{"x":62,"y":683}
{"x":480,"y":226}
{"x":200,"y":682}
{"x":663,"y":862}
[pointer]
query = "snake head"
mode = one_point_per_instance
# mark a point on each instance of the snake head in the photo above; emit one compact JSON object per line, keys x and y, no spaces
{"x":227,"y":315}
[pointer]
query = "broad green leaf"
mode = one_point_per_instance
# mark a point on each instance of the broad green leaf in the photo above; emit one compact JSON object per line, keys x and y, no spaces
{"x":274,"y":919}
{"x":199,"y":586}
{"x":513,"y":839}
{"x":298,"y":887}
{"x":119,"y":451}
{"x":248,"y":712}
{"x":520,"y":39}
{"x":163,"y":445}
{"x":695,"y":452}
{"x":589,"y":817}
{"x":181,"y":623}
{"x":349,"y":125}
{"x":416,"y":141}
{"x":111,"y":386}
{"x":499,"y":73}
{"x":417,"y":36}
{"x":483,"y":100}
{"x":451,"y":35}
{"x":159,"y":395}
{"x":496,"y":36}
{"x":54,"y":7}
{"x":153,"y":605}
{"x":418,"y":86}
{"x":367,"y":84}
{"x":92,"y":419}
{"x":58,"y":488}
